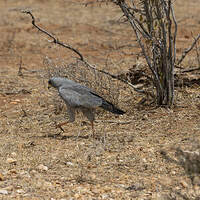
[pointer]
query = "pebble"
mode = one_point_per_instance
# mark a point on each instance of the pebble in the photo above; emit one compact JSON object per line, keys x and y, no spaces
{"x":2,"y":191}
{"x":33,"y":171}
{"x":184,"y":184}
{"x":13,"y":154}
{"x":20,"y":191}
{"x":104,"y":196}
{"x":11,"y":161}
{"x":13,"y":171}
{"x":173,"y":172}
{"x":1,"y":177}
{"x":69,"y":163}
{"x":42,"y":167}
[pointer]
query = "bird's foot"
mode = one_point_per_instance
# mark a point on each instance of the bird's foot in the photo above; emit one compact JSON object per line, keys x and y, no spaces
{"x":60,"y":127}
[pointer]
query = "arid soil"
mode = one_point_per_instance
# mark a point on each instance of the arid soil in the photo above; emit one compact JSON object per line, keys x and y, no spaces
{"x":148,"y":153}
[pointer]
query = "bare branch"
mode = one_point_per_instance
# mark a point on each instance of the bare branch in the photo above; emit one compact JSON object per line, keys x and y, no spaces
{"x":188,"y":50}
{"x":197,"y":53}
{"x":20,"y":68}
{"x":114,"y":122}
{"x":115,"y":77}
{"x":174,"y":50}
{"x":175,"y":32}
{"x":190,"y":70}
{"x":56,"y":41}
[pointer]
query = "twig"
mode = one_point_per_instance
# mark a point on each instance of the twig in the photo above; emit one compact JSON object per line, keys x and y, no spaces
{"x":175,"y":32}
{"x":20,"y":68}
{"x":115,"y":77}
{"x":188,"y":50}
{"x":56,"y":41}
{"x":190,"y":70}
{"x":198,"y":56}
{"x":115,"y":122}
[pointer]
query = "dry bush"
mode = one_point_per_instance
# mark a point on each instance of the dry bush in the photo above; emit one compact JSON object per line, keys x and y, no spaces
{"x":111,"y":89}
{"x":104,"y":85}
{"x":152,"y":23}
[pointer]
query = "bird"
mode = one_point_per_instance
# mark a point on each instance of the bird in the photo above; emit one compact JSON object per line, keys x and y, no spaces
{"x":80,"y":97}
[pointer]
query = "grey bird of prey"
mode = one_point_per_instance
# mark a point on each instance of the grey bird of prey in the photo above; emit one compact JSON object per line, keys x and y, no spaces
{"x":77,"y":96}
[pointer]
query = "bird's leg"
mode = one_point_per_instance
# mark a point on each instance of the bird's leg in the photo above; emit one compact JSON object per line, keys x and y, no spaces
{"x":93,"y":132}
{"x":61,"y":124}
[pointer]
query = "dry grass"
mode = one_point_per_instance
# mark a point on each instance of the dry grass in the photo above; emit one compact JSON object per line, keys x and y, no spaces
{"x":134,"y":160}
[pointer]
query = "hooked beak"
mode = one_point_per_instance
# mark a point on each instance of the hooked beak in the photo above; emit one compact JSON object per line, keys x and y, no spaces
{"x":49,"y":86}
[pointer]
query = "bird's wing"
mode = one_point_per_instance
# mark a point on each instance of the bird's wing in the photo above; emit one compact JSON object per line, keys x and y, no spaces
{"x":81,"y":89}
{"x":79,"y":97}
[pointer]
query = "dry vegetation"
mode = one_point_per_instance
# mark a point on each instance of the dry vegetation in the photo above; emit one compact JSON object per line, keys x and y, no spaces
{"x":149,"y":153}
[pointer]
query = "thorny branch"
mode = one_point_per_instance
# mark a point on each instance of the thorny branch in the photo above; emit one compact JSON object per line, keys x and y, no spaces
{"x":56,"y":41}
{"x":188,"y":50}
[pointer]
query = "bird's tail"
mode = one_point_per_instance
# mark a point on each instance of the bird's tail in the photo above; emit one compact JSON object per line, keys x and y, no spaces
{"x":111,"y":108}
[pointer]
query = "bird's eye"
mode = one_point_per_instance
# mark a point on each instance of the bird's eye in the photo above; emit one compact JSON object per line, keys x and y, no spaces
{"x":49,"y":82}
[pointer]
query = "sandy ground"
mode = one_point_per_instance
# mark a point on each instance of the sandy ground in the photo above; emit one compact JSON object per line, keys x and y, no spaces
{"x":148,"y":153}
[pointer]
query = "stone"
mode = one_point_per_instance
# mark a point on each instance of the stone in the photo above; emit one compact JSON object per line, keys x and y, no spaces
{"x":1,"y":177}
{"x":11,"y":161}
{"x":2,"y":191}
{"x":42,"y":167}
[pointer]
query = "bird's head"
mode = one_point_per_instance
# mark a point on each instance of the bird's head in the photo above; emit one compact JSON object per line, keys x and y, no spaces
{"x":56,"y":82}
{"x":53,"y":82}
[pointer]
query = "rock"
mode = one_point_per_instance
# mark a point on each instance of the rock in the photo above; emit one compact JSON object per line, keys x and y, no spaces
{"x":2,"y":191}
{"x":11,"y":161}
{"x":13,"y":154}
{"x":69,"y":163}
{"x":42,"y":167}
{"x":184,"y":183}
{"x":104,"y":196}
{"x":20,"y":191}
{"x":33,"y":171}
{"x":13,"y":171}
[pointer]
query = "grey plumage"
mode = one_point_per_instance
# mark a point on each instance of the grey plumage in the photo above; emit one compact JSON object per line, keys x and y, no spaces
{"x":77,"y":96}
